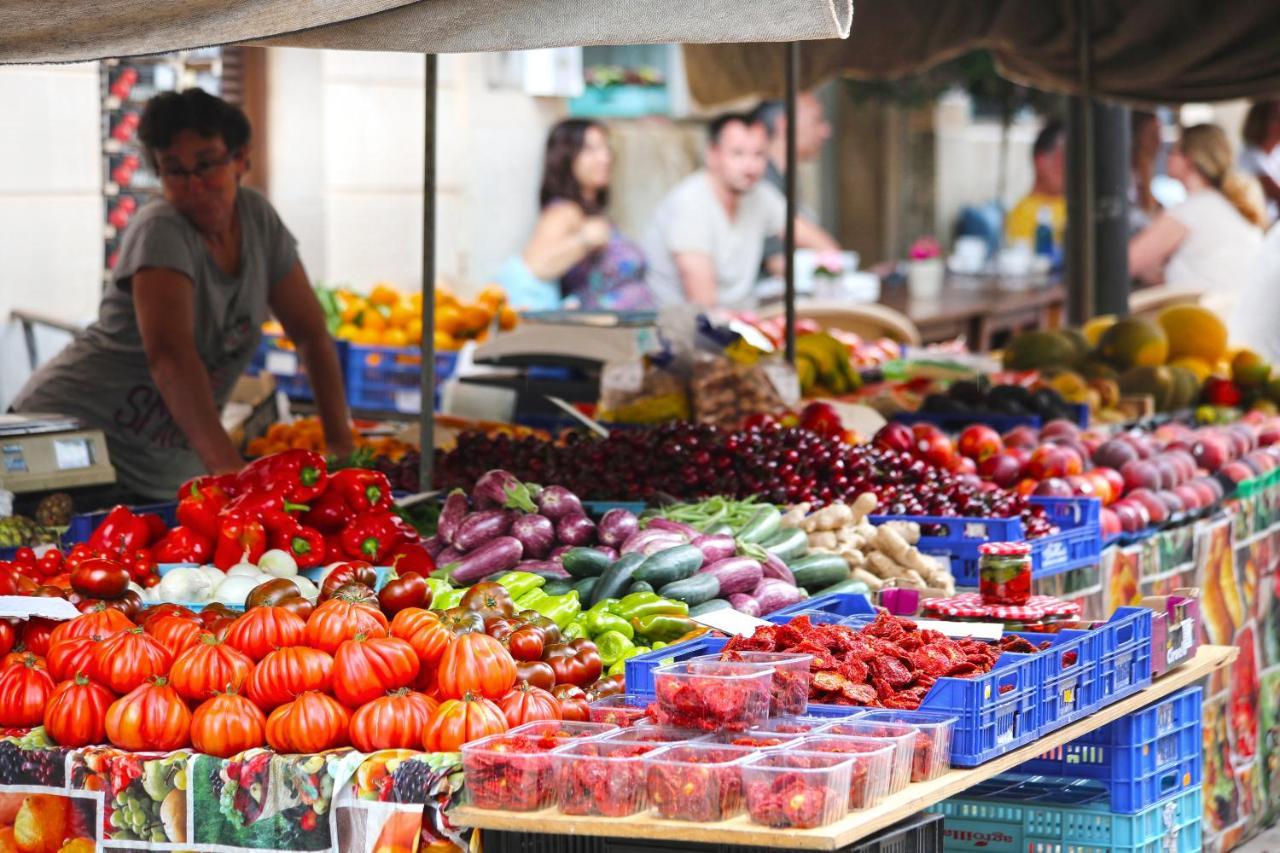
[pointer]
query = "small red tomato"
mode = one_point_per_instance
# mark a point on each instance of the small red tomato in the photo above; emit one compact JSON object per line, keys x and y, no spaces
{"x":526,"y":643}
{"x":408,"y":590}
{"x":573,"y":702}
{"x":51,"y":563}
{"x":24,"y":557}
{"x":100,"y":578}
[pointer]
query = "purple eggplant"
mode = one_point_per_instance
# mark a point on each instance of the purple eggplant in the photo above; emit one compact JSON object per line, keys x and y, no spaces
{"x":556,"y":502}
{"x":434,"y":545}
{"x":616,"y":525}
{"x":549,"y":569}
{"x":536,"y":533}
{"x":735,"y":574}
{"x":496,"y":555}
{"x":639,"y":542}
{"x":498,"y":489}
{"x":715,"y":548}
{"x":448,"y":555}
{"x":575,"y":530}
{"x":479,"y":527}
{"x":686,"y":530}
{"x":776,"y":569}
{"x":611,"y":553}
{"x":744,"y":603}
{"x":453,"y":511}
{"x":773,"y":594}
{"x":558,"y":551}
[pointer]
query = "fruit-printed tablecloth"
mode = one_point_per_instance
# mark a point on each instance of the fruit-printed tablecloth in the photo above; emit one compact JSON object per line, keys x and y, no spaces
{"x":101,"y":798}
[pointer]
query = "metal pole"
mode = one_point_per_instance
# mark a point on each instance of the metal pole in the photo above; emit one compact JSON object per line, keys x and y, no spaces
{"x":1082,"y":220}
{"x":789,"y":239}
{"x":427,"y":409}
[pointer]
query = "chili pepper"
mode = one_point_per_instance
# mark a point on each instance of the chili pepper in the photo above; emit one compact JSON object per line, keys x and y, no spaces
{"x":438,"y":588}
{"x":199,"y":505}
{"x":240,"y":539}
{"x":304,"y":544}
{"x":182,"y":544}
{"x":560,"y":609}
{"x":370,"y":536}
{"x":329,"y":513}
{"x":598,"y":620}
{"x":663,"y":626}
{"x":156,"y":527}
{"x":639,"y":604}
{"x":519,"y":583}
{"x":361,"y":489}
{"x":412,"y":557}
{"x":575,"y":662}
{"x":447,"y":599}
{"x":301,"y":474}
{"x":120,"y":532}
{"x":612,"y":646}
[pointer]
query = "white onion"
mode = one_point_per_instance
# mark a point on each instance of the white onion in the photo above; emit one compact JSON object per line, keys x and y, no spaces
{"x":278,"y":563}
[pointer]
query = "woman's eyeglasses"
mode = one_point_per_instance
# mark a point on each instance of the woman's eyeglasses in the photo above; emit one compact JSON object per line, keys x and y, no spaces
{"x":202,"y":170}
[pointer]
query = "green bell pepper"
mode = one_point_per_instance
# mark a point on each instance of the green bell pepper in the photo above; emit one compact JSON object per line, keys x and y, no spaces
{"x":560,"y":609}
{"x":612,"y":647}
{"x":619,"y":667}
{"x":519,"y":583}
{"x":659,"y":645}
{"x":640,"y":604}
{"x":572,"y":631}
{"x":598,"y":619}
{"x":438,"y":588}
{"x":663,"y":627}
{"x":448,"y":598}
{"x":529,"y":598}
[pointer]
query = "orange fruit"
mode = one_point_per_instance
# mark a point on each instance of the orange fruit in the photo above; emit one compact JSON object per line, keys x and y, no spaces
{"x":383,"y":294}
{"x":449,"y":319}
{"x":507,"y":318}
{"x":413,"y":331}
{"x":443,"y":341}
{"x":373,"y":321}
{"x":394,"y":337}
{"x":476,"y":317}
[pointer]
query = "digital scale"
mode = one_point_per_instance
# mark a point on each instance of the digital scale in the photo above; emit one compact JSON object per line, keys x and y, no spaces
{"x":40,"y":453}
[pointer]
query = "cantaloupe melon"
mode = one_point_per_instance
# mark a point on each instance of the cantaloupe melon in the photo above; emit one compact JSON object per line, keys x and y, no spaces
{"x":1194,"y":332}
{"x":1133,"y":343}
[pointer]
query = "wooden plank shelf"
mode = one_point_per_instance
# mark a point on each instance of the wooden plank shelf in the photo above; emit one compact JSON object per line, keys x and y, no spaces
{"x":858,"y":825}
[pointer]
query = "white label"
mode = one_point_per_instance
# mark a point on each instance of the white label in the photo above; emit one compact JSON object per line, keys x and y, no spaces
{"x":626,"y":376}
{"x":282,"y":363}
{"x":784,"y":380}
{"x":27,"y":606}
{"x":731,"y":621}
{"x":990,"y":631}
{"x":409,"y":400}
{"x":71,"y":453}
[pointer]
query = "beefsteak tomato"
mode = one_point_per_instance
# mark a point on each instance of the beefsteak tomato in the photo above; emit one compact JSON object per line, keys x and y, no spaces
{"x":175,"y":633}
{"x":151,"y":716}
{"x":394,"y":721}
{"x":287,"y":673}
{"x":365,"y":668}
{"x":76,"y":715}
{"x":70,"y":657}
{"x":265,"y":629}
{"x":340,"y":619}
{"x":526,"y":703}
{"x":25,"y":689}
{"x":459,"y":721}
{"x":227,"y":724}
{"x":128,"y":659}
{"x":423,"y":630}
{"x":311,"y":723}
{"x":475,"y":663}
{"x":209,"y":667}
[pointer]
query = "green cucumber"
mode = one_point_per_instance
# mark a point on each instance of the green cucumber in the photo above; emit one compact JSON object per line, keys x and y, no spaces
{"x":673,"y":564}
{"x":719,"y":529}
{"x":692,"y":590}
{"x":615,"y":580}
{"x":584,"y":562}
{"x":710,"y":606}
{"x":585,"y":587}
{"x":640,"y":586}
{"x":819,"y":570}
{"x":787,"y":544}
{"x":850,"y":586}
{"x":762,"y":524}
{"x":558,"y":586}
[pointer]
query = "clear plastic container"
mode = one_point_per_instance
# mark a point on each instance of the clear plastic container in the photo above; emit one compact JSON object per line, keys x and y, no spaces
{"x":621,"y":711}
{"x":701,"y":782}
{"x":754,"y":738}
{"x":789,"y":693}
{"x":902,"y":736}
{"x":800,"y":790}
{"x":645,"y":733}
{"x":933,"y":745}
{"x":711,"y":695}
{"x":793,"y":725}
{"x":563,"y":729}
{"x":872,"y":764}
{"x":601,"y":777}
{"x":511,"y":772}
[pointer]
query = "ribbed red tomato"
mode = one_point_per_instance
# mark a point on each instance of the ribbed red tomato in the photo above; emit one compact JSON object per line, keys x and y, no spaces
{"x":210,"y":666}
{"x":264,"y":629}
{"x":313,"y":722}
{"x":287,"y":673}
{"x":8,"y":637}
{"x":126,"y":660}
{"x":423,"y":630}
{"x":365,"y":668}
{"x":102,"y":622}
{"x":175,"y":633}
{"x":69,"y":657}
{"x":338,"y":619}
{"x":152,"y":716}
{"x":38,"y":633}
{"x":458,"y":721}
{"x":25,"y":689}
{"x":526,"y":703}
{"x":394,"y":721}
{"x":475,"y":663}
{"x":167,"y":609}
{"x":227,"y":725}
{"x":76,"y":715}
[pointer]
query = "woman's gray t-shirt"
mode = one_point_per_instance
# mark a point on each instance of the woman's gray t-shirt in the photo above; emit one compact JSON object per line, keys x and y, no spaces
{"x":103,"y":378}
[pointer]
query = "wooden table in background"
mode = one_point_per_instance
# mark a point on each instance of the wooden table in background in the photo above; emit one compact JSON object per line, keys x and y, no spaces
{"x":980,"y":308}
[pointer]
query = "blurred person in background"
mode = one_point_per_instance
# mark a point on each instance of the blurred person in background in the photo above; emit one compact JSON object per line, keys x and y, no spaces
{"x":1209,"y":242}
{"x":1260,"y":156}
{"x":705,"y":241}
{"x":1049,"y":160}
{"x":576,"y":257}
{"x":1144,"y":151}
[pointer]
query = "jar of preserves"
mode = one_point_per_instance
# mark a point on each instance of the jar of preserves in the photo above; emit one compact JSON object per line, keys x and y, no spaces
{"x":1004,"y":572}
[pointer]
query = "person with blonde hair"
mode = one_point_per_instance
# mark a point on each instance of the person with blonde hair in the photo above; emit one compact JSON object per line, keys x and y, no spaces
{"x":1209,"y":242}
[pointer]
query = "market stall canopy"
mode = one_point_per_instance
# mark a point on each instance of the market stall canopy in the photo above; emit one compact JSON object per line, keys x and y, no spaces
{"x":76,"y":30}
{"x":1147,"y":51}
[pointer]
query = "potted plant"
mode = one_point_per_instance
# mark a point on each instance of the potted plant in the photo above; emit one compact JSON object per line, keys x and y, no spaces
{"x":925,"y":269}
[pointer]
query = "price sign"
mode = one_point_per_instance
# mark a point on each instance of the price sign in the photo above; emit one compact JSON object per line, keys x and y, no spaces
{"x":282,"y":363}
{"x":409,"y":400}
{"x":625,"y":376}
{"x":783,"y":378}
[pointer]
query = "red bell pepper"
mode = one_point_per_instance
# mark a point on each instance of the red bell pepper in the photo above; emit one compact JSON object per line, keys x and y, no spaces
{"x":240,"y":539}
{"x":225,"y":482}
{"x":305,"y":544}
{"x":300,"y":474}
{"x":329,"y":513}
{"x":371,"y":536}
{"x":271,"y":508}
{"x":183,"y":545}
{"x":200,"y":504}
{"x":121,"y":532}
{"x":362,"y":490}
{"x":411,"y":557}
{"x":157,"y":527}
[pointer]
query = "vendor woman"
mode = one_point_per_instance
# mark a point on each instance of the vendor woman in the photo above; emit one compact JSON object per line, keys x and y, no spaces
{"x":198,"y":270}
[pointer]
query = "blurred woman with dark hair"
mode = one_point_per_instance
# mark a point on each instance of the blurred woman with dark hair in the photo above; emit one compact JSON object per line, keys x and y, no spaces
{"x":1260,"y":154}
{"x":197,"y":273}
{"x":581,"y":259}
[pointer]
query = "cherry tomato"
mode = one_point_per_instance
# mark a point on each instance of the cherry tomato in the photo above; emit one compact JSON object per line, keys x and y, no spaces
{"x":142,"y":565}
{"x":25,"y":557}
{"x":51,"y":563}
{"x":100,"y":578}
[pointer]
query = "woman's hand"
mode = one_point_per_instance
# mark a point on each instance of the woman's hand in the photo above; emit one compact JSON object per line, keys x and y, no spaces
{"x":595,"y":232}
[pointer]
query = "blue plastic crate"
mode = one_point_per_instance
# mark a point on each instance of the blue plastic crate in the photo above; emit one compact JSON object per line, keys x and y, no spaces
{"x":275,"y":355}
{"x":83,"y":524}
{"x":1140,"y":758}
{"x":388,"y":379}
{"x":1126,"y":655}
{"x":1014,"y":815}
{"x":841,"y":604}
{"x":957,"y":421}
{"x":1077,"y":544}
